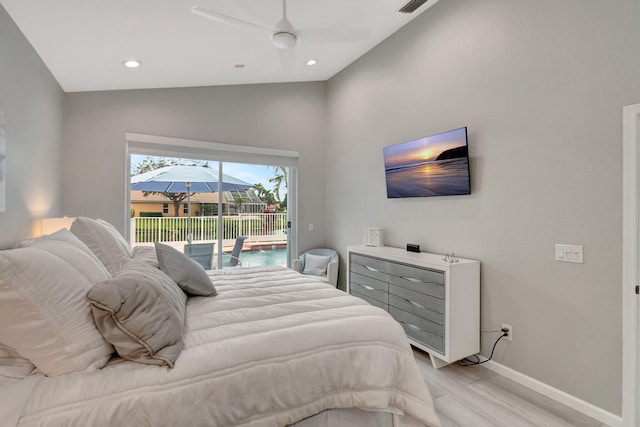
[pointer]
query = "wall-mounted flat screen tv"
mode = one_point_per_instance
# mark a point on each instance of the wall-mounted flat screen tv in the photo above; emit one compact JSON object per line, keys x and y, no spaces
{"x":436,"y":165}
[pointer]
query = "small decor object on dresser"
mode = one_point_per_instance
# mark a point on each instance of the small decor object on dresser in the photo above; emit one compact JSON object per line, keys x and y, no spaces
{"x":411,"y":247}
{"x":372,"y":236}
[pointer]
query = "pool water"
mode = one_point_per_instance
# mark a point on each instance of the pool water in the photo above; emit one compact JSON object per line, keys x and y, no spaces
{"x":263,"y":257}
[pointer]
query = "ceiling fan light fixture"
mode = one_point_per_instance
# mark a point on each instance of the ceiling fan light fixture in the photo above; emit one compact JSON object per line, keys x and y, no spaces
{"x":284,"y":40}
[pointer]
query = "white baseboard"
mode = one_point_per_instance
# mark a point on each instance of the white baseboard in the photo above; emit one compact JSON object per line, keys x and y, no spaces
{"x":566,"y":399}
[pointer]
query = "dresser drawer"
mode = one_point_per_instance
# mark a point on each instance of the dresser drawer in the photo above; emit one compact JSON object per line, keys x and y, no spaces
{"x":371,"y":301}
{"x":425,"y":338}
{"x":368,"y":281}
{"x":370,"y":267}
{"x":428,"y":288}
{"x":421,"y":280}
{"x":405,"y":305}
{"x":417,"y":300}
{"x":419,"y":329}
{"x":422,"y":274}
{"x":370,"y":292}
{"x":421,"y":323}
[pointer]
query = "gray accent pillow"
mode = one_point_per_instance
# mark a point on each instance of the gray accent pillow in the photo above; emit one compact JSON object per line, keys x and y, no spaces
{"x":187,"y":273}
{"x":141,"y":312}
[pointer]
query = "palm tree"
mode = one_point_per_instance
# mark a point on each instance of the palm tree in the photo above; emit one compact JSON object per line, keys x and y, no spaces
{"x":278,"y":179}
{"x":238,"y":201}
{"x":264,"y":194}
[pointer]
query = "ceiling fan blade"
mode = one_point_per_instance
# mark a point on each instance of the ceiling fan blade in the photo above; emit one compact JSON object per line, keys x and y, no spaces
{"x":229,"y":20}
{"x":336,"y":35}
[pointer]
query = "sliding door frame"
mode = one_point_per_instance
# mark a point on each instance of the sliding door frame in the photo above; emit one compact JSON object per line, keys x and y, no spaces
{"x":153,"y":145}
{"x":630,"y":266}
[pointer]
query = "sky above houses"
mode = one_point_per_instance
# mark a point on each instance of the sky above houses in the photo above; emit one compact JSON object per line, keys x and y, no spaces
{"x":424,"y":149}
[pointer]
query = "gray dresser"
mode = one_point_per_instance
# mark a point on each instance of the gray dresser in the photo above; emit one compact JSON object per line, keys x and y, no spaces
{"x":437,"y":303}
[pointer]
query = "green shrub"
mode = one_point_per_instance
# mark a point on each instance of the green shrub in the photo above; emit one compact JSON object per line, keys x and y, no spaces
{"x":150,"y":214}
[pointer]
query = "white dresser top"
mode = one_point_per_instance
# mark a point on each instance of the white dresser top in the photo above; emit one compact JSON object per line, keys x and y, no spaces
{"x":402,"y":255}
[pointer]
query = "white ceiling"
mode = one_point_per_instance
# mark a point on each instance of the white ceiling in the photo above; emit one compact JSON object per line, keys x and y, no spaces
{"x":84,"y":42}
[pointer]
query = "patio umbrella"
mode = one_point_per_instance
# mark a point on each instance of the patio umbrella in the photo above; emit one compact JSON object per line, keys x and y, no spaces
{"x":186,"y":179}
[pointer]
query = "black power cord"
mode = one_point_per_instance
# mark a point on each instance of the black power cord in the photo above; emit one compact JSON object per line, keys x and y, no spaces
{"x":505,"y":333}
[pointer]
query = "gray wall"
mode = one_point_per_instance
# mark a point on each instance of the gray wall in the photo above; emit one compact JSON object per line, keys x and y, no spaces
{"x":541,"y":86}
{"x":280,"y":116}
{"x":33,"y":104}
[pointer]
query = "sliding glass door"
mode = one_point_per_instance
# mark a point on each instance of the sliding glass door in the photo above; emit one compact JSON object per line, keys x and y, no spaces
{"x":241,"y":211}
{"x":260,"y":215}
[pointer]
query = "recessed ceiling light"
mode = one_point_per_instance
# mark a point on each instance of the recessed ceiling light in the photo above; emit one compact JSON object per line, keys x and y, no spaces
{"x":131,"y":63}
{"x":238,"y":66}
{"x":312,"y":62}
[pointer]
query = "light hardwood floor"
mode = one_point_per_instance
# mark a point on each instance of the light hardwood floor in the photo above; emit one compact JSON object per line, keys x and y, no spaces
{"x":474,"y":396}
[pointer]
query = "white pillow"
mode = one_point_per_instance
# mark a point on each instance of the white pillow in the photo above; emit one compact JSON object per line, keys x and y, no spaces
{"x":104,"y":241}
{"x":146,"y":254}
{"x":316,"y":264}
{"x":44,"y":315}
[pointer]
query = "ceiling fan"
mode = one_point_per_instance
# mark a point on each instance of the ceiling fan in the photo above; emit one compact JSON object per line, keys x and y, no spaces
{"x":284,"y":35}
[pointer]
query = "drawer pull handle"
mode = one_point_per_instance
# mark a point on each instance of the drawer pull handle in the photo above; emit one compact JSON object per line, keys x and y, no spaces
{"x":367,"y":287}
{"x":415,"y":303}
{"x":414,"y":280}
{"x":370,"y":268}
{"x":414,"y":327}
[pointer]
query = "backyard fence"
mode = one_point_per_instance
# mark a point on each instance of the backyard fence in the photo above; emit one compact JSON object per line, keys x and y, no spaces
{"x":258,"y":227}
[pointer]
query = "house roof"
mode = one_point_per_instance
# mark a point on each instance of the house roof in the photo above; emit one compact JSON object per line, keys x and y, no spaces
{"x":139,"y":197}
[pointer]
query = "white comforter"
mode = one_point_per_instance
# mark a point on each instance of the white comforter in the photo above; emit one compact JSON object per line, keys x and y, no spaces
{"x":272,"y":348}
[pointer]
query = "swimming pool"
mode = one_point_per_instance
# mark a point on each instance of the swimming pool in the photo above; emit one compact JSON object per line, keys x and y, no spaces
{"x":263,"y":257}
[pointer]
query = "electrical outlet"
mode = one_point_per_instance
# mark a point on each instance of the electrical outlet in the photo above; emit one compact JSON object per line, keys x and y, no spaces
{"x":509,"y":332}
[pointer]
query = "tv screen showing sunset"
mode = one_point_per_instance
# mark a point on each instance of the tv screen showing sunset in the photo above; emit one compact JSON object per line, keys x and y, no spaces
{"x":436,"y":165}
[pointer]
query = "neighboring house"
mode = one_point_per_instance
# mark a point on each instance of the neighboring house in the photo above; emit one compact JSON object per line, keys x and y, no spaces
{"x":202,"y":204}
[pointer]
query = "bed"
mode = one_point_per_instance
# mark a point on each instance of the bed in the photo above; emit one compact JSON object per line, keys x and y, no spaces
{"x":271,"y":347}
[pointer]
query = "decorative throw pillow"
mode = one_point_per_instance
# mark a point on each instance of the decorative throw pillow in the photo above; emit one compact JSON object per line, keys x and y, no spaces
{"x":62,"y":235}
{"x":187,"y":273}
{"x":316,"y":264}
{"x":104,"y":241}
{"x":44,"y":316}
{"x":141,"y":312}
{"x":146,"y":254}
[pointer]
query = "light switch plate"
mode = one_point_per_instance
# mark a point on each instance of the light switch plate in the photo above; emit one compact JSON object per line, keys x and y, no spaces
{"x":569,"y":253}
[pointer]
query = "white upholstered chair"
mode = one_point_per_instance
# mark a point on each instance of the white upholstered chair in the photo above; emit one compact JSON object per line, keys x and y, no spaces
{"x":322,"y":263}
